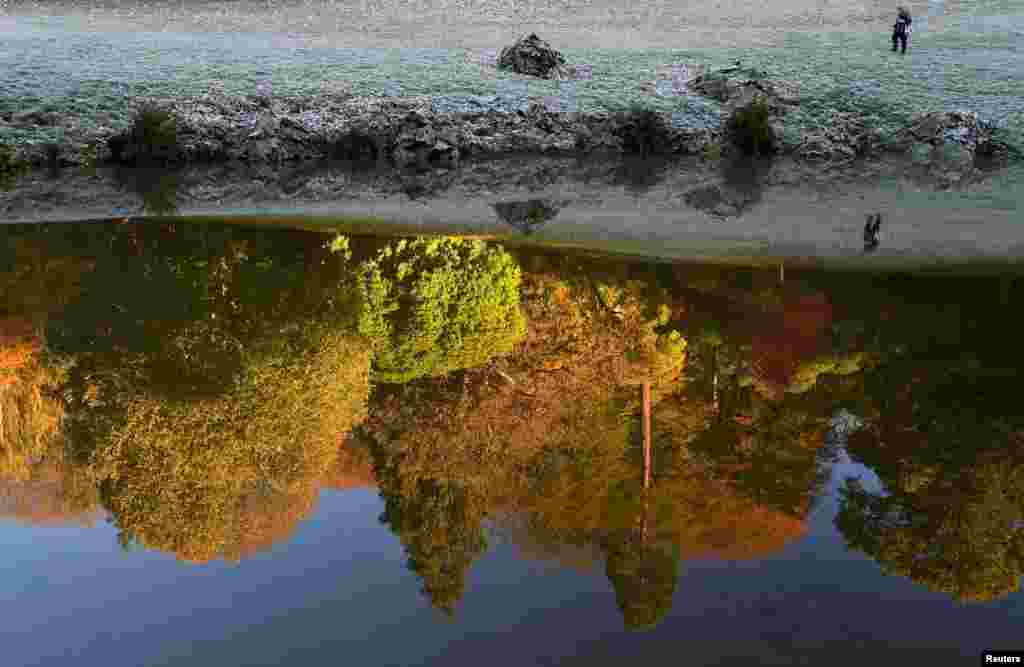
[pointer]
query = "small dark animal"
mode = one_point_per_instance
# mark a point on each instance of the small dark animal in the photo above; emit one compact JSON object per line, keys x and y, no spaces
{"x":871,"y":227}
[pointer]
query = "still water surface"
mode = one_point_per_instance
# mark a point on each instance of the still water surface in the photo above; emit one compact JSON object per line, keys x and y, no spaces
{"x":239,"y":445}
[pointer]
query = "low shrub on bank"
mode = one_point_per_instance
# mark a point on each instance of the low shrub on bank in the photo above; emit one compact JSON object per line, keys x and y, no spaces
{"x":644,"y":132}
{"x":10,"y":165}
{"x":750,"y":129}
{"x":712,"y":151}
{"x":152,"y":137}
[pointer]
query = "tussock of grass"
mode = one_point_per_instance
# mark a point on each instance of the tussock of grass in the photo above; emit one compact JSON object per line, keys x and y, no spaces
{"x":645,"y":132}
{"x":152,"y":137}
{"x":750,"y":130}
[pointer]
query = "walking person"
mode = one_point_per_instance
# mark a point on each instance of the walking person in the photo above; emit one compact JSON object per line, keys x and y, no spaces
{"x":871,"y":227}
{"x":901,"y":30}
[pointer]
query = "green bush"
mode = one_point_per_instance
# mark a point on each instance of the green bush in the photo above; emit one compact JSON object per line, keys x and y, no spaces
{"x":90,"y":156}
{"x":750,"y":128}
{"x":644,"y":132}
{"x":712,"y":151}
{"x":154,"y":134}
{"x":433,"y":306}
{"x":10,"y":165}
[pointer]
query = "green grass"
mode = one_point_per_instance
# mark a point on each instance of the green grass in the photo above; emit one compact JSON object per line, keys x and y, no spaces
{"x":617,"y":75}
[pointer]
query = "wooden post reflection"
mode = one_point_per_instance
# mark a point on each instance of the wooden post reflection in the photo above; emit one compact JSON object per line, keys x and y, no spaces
{"x":714,"y":392}
{"x":647,"y":434}
{"x":647,"y":460}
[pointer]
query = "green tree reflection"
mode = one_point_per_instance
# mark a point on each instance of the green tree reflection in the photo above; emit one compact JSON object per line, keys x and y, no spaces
{"x":439,"y":524}
{"x":644,"y":578}
{"x":433,"y":306}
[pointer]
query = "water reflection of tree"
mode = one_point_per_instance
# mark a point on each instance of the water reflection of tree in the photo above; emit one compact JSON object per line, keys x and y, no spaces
{"x":433,"y":306}
{"x":942,"y":433}
{"x":208,"y":421}
{"x":439,"y":523}
{"x":590,"y":490}
{"x":949,"y":514}
{"x":960,"y":536}
{"x":209,"y":373}
{"x":202,"y":378}
{"x":467,"y":448}
{"x":553,"y":434}
{"x":189,"y":474}
{"x":644,"y":577}
{"x":38,"y":483}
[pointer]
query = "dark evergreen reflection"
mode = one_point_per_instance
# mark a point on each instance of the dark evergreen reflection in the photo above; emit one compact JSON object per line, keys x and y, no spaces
{"x":200,"y":384}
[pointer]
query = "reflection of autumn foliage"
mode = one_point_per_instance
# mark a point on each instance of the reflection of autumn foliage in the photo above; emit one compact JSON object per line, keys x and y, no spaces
{"x":585,"y":558}
{"x":438,"y":494}
{"x":38,"y":484}
{"x":266,"y":519}
{"x":949,"y":516}
{"x":18,"y":345}
{"x":801,"y":334}
{"x":53,"y":494}
{"x":579,"y":349}
{"x":38,"y":281}
{"x":588,"y":491}
{"x":736,"y":528}
{"x":190,"y":475}
{"x":959,"y":535}
{"x":353,"y":469}
{"x":211,"y":404}
{"x":213,"y":373}
{"x":209,"y":376}
{"x":705,"y":517}
{"x":550,"y":435}
{"x":33,"y":285}
{"x":30,"y":415}
{"x":775,"y":460}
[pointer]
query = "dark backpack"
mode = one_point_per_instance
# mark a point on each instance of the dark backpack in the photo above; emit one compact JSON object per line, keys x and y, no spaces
{"x":901,"y":26}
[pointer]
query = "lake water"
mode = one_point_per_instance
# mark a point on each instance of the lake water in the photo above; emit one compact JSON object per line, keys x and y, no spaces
{"x":229,"y":444}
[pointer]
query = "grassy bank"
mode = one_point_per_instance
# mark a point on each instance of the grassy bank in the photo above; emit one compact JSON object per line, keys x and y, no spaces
{"x":836,"y":71}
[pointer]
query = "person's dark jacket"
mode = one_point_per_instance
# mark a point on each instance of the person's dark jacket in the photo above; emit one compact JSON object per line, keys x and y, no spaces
{"x":903,"y":24}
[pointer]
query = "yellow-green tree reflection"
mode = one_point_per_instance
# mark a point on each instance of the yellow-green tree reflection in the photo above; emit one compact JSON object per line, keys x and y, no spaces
{"x":206,"y":425}
{"x":433,"y":306}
